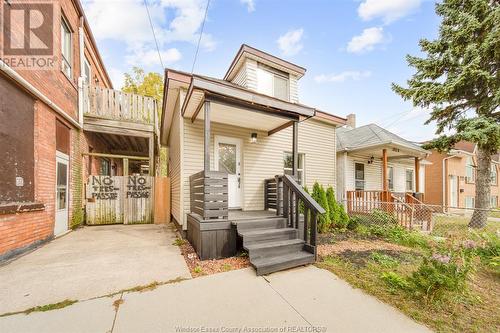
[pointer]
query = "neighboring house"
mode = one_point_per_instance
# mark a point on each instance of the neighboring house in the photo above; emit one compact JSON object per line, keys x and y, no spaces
{"x":451,"y":177}
{"x":371,"y":159}
{"x":241,"y":131}
{"x":48,"y":126}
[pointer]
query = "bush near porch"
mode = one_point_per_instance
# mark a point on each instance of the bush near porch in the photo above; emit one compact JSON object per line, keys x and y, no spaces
{"x":451,"y":284}
{"x":335,"y":216}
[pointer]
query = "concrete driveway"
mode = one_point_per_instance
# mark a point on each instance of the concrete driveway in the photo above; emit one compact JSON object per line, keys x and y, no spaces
{"x":91,"y":262}
{"x":306,"y":299}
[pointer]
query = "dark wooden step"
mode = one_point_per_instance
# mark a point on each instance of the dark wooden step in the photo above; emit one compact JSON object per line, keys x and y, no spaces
{"x":266,"y":265}
{"x":267,"y":235}
{"x":267,"y":223}
{"x":274,"y":248}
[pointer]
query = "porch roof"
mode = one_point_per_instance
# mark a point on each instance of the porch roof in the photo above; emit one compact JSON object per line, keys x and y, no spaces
{"x":231,"y":104}
{"x":373,"y":136}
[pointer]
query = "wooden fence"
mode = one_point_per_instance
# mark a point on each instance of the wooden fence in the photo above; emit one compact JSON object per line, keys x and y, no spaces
{"x":117,"y":105}
{"x":119,"y":199}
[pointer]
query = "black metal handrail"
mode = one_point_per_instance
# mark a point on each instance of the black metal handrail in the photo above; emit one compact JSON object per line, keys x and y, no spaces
{"x":293,"y":195}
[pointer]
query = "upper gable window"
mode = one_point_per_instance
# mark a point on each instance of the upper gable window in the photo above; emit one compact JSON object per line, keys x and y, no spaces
{"x":273,"y":82}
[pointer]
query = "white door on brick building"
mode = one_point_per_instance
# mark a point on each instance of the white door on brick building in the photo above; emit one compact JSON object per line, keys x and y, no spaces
{"x":62,"y":176}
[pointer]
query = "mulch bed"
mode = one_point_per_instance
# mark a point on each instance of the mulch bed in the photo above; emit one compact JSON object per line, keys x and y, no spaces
{"x":199,"y":267}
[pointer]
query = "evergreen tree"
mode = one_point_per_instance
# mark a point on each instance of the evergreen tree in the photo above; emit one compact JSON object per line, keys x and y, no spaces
{"x":458,"y":78}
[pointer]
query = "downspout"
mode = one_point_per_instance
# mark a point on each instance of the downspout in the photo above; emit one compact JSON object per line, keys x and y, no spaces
{"x":81,"y":42}
{"x":37,"y":93}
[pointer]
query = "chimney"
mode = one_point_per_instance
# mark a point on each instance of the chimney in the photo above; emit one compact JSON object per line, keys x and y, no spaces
{"x":351,"y":120}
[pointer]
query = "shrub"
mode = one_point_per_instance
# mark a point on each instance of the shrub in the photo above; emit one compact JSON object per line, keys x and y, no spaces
{"x":383,"y":218}
{"x":354,"y":222}
{"x":338,"y":216}
{"x":441,"y":274}
{"x":395,"y":281}
{"x":319,"y":194}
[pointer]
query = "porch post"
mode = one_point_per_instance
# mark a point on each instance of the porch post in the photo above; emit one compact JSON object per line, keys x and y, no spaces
{"x":206,"y":149}
{"x":385,"y":184}
{"x":295,"y":148}
{"x":417,"y":175}
{"x":151,"y":155}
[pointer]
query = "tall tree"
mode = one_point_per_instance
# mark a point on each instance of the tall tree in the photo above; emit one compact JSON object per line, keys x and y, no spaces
{"x":458,"y":78}
{"x":148,"y":84}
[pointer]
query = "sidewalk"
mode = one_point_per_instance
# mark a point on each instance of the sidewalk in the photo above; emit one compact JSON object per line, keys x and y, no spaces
{"x":293,"y":299}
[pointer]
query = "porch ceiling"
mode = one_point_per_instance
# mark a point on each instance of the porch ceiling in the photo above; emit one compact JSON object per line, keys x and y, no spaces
{"x":394,"y":152}
{"x":234,"y":115}
{"x":237,"y":116}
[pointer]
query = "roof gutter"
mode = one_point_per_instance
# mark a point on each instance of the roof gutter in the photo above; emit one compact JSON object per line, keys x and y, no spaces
{"x":37,"y":93}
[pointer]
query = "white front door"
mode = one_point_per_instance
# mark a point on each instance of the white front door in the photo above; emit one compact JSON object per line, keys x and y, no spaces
{"x":227,"y":158}
{"x":453,"y":191}
{"x":62,"y":175}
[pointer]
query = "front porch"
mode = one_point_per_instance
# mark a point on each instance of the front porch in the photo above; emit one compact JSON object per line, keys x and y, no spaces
{"x":227,"y":209}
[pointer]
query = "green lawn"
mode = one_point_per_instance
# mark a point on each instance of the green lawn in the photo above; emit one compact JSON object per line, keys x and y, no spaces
{"x":447,"y":226}
{"x":357,"y":257}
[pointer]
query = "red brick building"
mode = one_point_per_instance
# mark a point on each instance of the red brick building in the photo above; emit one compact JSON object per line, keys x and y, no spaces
{"x":41,"y":133}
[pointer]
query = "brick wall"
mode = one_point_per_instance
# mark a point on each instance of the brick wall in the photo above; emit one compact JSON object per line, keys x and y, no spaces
{"x":18,"y":231}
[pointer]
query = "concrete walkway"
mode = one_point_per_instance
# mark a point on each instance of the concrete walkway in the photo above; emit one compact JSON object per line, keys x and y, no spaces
{"x":89,"y":262}
{"x":296,"y":300}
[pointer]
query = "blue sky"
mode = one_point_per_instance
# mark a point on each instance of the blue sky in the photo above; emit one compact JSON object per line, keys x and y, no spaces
{"x":352,"y":49}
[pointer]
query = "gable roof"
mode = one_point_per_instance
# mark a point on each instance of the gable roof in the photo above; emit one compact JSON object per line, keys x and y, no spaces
{"x":370,"y":135}
{"x":251,"y":52}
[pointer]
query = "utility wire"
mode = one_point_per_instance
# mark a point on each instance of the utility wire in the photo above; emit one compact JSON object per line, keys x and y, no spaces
{"x":154,"y":35}
{"x":201,"y":34}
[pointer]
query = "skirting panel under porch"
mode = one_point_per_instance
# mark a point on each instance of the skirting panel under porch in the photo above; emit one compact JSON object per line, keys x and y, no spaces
{"x":211,"y":239}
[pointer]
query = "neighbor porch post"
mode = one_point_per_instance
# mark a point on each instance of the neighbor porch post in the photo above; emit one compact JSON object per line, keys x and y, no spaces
{"x":417,"y":174}
{"x":385,"y":185}
{"x":295,"y":148}
{"x":206,"y":147}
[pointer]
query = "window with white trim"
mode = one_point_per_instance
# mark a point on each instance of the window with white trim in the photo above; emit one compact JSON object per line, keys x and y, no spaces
{"x":273,"y":82}
{"x":494,"y":201}
{"x":66,"y":47}
{"x":359,"y":176}
{"x":87,"y":71}
{"x":409,"y":180}
{"x":390,"y":178}
{"x":288,"y":166}
{"x":469,"y":170}
{"x":469,"y":201}
{"x":494,"y":175}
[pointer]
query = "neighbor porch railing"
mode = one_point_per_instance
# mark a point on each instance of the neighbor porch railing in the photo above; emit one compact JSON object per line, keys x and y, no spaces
{"x":407,"y":208}
{"x":209,"y":194}
{"x":293,"y":196}
{"x":112,"y":104}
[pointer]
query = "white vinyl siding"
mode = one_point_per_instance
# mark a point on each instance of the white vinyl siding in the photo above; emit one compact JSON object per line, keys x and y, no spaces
{"x":264,"y":159}
{"x":241,"y":77}
{"x":294,"y":89}
{"x":174,"y":163}
{"x":251,"y":68}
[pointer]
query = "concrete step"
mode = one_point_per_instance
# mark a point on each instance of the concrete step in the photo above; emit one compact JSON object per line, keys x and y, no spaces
{"x":266,"y":265}
{"x":255,"y":236}
{"x":268,"y":223}
{"x":274,"y":248}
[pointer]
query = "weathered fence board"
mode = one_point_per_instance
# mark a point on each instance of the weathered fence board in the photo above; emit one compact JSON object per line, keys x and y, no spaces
{"x":119,"y":199}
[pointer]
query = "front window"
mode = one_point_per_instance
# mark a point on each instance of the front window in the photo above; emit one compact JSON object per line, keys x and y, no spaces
{"x":105,"y":168}
{"x":359,"y":176}
{"x":390,"y":178}
{"x":288,"y":166}
{"x":469,"y":202}
{"x":469,"y":170}
{"x":494,"y":176}
{"x":409,"y":180}
{"x":65,"y":48}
